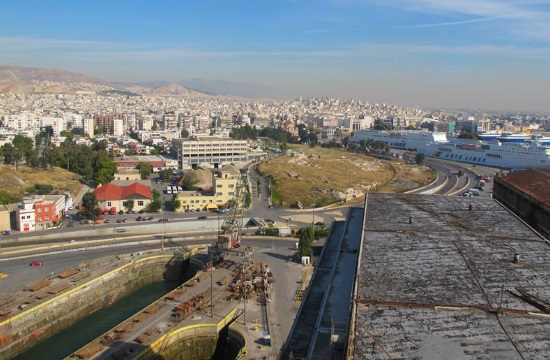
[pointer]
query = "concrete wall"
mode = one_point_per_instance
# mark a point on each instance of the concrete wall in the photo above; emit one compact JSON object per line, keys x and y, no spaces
{"x":38,"y":323}
{"x":192,"y":342}
{"x":532,"y":211}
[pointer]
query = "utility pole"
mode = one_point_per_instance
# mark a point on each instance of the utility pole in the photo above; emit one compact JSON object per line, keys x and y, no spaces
{"x":313,"y":218}
{"x":211,"y":288}
{"x":346,"y":192}
{"x":163,"y":227}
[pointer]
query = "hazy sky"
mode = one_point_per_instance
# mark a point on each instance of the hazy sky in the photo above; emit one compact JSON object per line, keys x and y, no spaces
{"x":491,"y":54}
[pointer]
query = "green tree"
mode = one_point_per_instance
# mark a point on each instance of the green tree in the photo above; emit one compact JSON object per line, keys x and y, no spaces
{"x":306,"y":240}
{"x":106,"y":173}
{"x":165,"y":174}
{"x":130,"y":205}
{"x":40,"y":189}
{"x":100,"y":130}
{"x":247,"y":200}
{"x":176,"y":202}
{"x":345,"y":141}
{"x":156,"y":203}
{"x":184,"y":133}
{"x":189,"y":181}
{"x":89,"y":209}
{"x":8,"y":198}
{"x":145,"y":169}
{"x":419,"y":158}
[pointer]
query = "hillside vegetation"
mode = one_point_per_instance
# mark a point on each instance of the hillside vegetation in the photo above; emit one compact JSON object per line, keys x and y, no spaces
{"x":17,"y":182}
{"x":331,"y":173}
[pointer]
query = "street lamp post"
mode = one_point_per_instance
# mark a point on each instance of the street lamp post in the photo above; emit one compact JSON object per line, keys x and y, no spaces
{"x":163,"y":227}
{"x":313,"y":218}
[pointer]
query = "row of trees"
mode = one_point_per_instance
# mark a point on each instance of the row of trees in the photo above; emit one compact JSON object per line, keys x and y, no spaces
{"x":90,"y":162}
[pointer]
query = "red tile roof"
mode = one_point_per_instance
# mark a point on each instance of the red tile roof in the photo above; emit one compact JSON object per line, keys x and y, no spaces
{"x":113,"y":192}
{"x":535,"y":183}
{"x":108,"y":192}
{"x":137,"y":189}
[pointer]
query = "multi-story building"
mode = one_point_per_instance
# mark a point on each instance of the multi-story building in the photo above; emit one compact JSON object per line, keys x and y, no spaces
{"x":40,"y":212}
{"x":224,"y":187}
{"x":89,"y":127}
{"x":169,"y":121}
{"x":208,"y":152}
{"x":127,"y":173}
{"x":118,"y":127}
{"x":106,"y":120}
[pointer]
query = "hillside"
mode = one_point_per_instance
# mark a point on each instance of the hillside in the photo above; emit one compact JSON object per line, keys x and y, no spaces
{"x":16,"y":183}
{"x":331,"y":173}
{"x":19,"y":79}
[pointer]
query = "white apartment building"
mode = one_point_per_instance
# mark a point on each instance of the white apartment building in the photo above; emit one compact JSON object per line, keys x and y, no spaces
{"x":22,"y":121}
{"x":56,"y":123}
{"x":89,"y":127}
{"x":118,"y":127}
{"x":208,"y":152}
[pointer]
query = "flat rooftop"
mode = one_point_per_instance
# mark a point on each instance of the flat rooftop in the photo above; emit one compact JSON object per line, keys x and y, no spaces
{"x":437,"y":280}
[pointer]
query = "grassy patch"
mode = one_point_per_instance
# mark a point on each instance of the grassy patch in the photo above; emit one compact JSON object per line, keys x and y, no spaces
{"x":323,"y":175}
{"x":17,"y":182}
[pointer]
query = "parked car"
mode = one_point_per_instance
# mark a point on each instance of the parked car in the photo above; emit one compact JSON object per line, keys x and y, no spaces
{"x":106,"y":221}
{"x":320,"y":223}
{"x":202,"y":218}
{"x":119,"y":221}
{"x":149,"y":218}
{"x":163,"y":220}
{"x":36,"y":263}
{"x":139,"y":218}
{"x":100,"y":218}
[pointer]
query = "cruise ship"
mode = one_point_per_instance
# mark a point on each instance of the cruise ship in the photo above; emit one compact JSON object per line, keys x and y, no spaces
{"x":505,"y":155}
{"x":405,"y":139}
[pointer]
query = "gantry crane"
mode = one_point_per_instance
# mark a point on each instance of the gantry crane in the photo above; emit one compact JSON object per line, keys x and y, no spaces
{"x":229,"y":236}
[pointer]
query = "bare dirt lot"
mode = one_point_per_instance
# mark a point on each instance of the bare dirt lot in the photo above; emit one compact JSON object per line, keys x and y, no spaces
{"x":334,"y":174}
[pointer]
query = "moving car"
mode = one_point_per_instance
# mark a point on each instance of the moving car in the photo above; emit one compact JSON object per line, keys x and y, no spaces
{"x":36,"y":263}
{"x":202,"y":217}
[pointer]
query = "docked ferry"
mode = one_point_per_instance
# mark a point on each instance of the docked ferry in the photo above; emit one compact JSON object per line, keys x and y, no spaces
{"x":405,"y":139}
{"x":506,"y":155}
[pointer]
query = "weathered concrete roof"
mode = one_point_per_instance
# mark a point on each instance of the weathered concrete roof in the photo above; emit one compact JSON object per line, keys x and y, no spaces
{"x":441,"y":286}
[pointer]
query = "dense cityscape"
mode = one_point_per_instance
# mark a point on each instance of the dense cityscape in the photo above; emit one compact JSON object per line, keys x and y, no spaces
{"x":293,"y":180}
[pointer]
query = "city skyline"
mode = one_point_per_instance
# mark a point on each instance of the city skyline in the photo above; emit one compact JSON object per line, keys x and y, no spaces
{"x":483,"y":54}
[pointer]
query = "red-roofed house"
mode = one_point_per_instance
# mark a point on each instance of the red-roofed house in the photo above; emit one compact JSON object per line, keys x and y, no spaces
{"x":112,"y":196}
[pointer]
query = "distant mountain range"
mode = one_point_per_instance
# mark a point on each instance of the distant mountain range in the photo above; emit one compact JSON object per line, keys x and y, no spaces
{"x":21,"y":80}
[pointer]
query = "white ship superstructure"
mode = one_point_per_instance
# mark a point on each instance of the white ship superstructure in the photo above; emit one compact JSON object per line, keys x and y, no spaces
{"x":405,"y":139}
{"x":527,"y":155}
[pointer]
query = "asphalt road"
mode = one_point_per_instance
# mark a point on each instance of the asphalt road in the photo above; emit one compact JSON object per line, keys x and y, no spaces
{"x":20,"y":273}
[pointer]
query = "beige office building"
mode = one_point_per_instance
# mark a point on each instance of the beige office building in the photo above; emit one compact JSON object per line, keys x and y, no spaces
{"x":224,"y":187}
{"x":208,"y":152}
